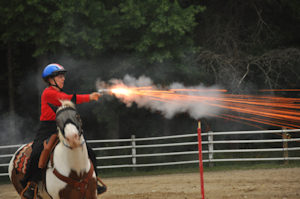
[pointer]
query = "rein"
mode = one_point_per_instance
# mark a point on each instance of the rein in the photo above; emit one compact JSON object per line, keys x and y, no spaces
{"x":81,"y":184}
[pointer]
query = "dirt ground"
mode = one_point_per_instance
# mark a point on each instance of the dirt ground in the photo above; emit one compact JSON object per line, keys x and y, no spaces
{"x":245,"y":184}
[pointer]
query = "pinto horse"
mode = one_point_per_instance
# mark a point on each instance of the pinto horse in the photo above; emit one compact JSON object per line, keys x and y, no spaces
{"x":69,"y":173}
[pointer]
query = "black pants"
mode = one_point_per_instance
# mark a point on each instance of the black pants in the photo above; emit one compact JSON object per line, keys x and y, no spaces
{"x":46,"y":129}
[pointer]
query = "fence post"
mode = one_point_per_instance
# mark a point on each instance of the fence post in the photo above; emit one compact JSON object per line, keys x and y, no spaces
{"x":210,"y":148}
{"x":200,"y":158}
{"x":285,"y":136}
{"x":133,"y":152}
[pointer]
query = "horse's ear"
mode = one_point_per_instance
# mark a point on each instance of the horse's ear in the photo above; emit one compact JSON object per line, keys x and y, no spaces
{"x":73,"y":99}
{"x":54,"y":108}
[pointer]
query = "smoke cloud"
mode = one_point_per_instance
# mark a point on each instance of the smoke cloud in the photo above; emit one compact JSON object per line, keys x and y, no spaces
{"x":12,"y":129}
{"x":194,"y":100}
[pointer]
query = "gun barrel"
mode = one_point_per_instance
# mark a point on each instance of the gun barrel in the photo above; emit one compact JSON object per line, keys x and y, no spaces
{"x":104,"y":91}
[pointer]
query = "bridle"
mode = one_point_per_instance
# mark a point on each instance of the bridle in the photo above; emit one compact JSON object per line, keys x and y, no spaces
{"x":68,"y":115}
{"x":76,"y":121}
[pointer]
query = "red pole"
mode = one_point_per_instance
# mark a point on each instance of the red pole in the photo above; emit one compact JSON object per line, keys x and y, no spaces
{"x":200,"y":158}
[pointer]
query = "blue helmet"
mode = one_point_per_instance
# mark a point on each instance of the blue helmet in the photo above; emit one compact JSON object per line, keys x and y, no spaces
{"x":53,"y":70}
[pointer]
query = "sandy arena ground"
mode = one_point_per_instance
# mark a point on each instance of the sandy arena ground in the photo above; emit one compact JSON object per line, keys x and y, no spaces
{"x":244,"y":184}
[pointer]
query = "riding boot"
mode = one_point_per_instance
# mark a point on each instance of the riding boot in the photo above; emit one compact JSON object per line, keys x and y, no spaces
{"x":101,"y":187}
{"x":30,"y":191}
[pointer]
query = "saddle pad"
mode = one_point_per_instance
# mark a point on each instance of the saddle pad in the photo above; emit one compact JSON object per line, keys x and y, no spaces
{"x":22,"y":157}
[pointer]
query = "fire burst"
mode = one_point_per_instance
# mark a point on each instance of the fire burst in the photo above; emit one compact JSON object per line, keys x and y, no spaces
{"x":268,"y":110}
{"x":121,"y":91}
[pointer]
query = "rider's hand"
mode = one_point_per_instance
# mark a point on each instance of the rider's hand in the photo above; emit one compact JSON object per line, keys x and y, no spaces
{"x":95,"y":96}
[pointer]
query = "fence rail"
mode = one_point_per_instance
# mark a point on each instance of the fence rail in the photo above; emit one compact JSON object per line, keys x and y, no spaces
{"x":133,"y":145}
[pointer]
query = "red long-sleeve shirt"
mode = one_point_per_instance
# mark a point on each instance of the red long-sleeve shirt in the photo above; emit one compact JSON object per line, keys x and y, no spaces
{"x":52,"y":96}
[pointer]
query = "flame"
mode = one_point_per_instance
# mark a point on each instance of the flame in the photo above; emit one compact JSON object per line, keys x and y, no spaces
{"x":268,"y":110}
{"x":121,"y":91}
{"x":127,"y":92}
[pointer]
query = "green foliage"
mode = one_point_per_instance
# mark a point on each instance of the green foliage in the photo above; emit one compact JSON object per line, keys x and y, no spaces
{"x":164,"y":28}
{"x":237,"y":44}
{"x":157,"y":30}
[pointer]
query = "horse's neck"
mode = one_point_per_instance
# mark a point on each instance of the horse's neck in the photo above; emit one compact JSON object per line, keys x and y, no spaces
{"x":66,"y":159}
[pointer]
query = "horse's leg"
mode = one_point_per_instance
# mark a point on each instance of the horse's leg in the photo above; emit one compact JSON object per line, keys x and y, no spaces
{"x":53,"y":184}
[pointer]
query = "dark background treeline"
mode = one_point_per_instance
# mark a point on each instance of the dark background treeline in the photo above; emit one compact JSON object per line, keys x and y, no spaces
{"x":242,"y":46}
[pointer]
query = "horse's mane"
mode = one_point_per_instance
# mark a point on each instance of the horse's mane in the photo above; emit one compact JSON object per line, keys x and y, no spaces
{"x":66,"y":103}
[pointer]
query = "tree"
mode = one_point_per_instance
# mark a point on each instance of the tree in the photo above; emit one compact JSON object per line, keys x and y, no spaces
{"x":153,"y":31}
{"x":253,"y":43}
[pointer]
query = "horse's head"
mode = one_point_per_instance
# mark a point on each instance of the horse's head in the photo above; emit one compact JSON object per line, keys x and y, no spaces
{"x":69,"y":125}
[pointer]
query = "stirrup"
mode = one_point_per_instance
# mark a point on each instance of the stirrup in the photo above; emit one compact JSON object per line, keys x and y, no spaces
{"x":30,"y":185}
{"x":101,"y":185}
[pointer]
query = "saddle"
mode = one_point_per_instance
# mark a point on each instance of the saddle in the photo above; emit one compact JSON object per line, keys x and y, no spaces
{"x":48,"y":148}
{"x":22,"y":157}
{"x":79,"y":185}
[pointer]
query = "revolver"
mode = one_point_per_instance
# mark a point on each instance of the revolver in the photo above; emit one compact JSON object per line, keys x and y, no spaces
{"x":104,"y":91}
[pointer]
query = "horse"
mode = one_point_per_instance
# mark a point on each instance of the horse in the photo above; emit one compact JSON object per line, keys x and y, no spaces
{"x":69,"y":173}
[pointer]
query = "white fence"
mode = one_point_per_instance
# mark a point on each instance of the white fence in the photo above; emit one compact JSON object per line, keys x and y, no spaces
{"x":281,"y":144}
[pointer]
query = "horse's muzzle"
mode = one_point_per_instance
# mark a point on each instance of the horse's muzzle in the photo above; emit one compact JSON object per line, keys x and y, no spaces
{"x":74,"y":141}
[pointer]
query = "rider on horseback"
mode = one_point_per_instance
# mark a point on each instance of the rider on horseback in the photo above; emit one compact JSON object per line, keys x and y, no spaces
{"x":54,"y":75}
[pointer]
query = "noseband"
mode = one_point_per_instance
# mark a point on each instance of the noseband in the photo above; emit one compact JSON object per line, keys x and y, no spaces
{"x":66,"y":145}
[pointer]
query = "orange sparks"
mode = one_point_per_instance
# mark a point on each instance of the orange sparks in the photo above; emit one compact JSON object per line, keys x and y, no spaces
{"x":275,"y":111}
{"x":198,"y":90}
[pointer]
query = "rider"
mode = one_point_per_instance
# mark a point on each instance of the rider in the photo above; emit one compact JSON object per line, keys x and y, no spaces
{"x":54,"y":76}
